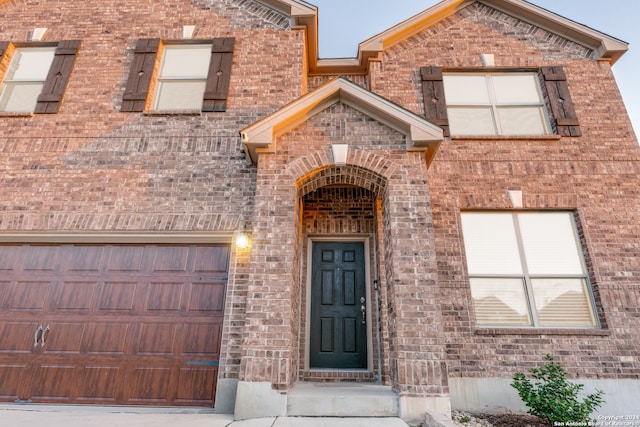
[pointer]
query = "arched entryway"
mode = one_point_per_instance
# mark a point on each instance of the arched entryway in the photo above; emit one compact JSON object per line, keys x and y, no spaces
{"x":343,"y":337}
{"x":386,"y":151}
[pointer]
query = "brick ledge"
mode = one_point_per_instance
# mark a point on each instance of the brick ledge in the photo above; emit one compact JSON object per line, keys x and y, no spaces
{"x":506,"y":137}
{"x":542,"y":331}
{"x":172,"y":113}
{"x":16,"y":114}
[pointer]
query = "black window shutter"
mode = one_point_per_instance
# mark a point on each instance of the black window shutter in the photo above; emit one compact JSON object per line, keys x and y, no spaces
{"x":217,"y":88}
{"x":564,"y":115}
{"x":144,"y":60}
{"x":3,"y":47}
{"x":58,"y":77}
{"x":435,"y":105}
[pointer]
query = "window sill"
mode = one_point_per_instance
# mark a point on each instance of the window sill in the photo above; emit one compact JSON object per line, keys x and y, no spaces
{"x":506,"y":137}
{"x":16,"y":114}
{"x":172,"y":112}
{"x":543,"y":331}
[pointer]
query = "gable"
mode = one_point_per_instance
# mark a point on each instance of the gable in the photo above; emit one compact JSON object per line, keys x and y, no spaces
{"x":518,"y":12}
{"x":281,"y":13}
{"x":340,"y":123}
{"x":420,"y":135}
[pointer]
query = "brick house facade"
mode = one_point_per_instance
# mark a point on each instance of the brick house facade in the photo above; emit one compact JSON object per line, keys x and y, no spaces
{"x":123,"y":283}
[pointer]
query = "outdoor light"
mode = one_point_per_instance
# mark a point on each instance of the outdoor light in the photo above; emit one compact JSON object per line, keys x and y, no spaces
{"x":242,"y":239}
{"x":340,"y":152}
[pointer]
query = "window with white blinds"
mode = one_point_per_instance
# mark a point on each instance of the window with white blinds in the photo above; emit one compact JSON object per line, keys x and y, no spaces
{"x":527,"y":269}
{"x":495,"y":104}
{"x":183,"y":77}
{"x":25,"y":78}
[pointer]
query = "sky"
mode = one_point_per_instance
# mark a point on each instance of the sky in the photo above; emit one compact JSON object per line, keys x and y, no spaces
{"x":339,"y":38}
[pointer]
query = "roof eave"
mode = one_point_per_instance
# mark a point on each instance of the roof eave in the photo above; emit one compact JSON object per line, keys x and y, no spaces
{"x":605,"y":46}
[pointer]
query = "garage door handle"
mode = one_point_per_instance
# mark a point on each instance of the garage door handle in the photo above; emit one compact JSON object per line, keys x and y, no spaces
{"x":44,"y":335}
{"x":35,"y":336}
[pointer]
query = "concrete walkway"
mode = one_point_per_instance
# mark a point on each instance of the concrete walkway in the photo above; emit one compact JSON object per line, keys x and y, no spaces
{"x":32,"y":415}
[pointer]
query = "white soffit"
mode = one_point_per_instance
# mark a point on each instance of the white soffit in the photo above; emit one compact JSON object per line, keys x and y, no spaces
{"x":292,"y":8}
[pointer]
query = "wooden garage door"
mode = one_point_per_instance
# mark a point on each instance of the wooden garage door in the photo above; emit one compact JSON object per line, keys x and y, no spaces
{"x":111,"y":324}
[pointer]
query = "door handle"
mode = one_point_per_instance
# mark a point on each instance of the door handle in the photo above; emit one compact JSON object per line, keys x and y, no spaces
{"x":363,"y":310}
{"x":44,"y":335}
{"x":35,"y":336}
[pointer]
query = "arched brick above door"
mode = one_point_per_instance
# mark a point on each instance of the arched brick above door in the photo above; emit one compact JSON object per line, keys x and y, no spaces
{"x":363,"y":169}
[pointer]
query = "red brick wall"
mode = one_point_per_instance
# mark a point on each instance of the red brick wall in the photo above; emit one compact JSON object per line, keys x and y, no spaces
{"x":93,"y":168}
{"x":596,"y":175}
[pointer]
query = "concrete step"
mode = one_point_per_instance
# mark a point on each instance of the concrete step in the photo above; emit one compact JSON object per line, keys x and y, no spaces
{"x":342,"y":400}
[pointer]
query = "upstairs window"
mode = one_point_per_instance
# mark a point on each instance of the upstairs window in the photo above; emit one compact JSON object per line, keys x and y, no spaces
{"x":509,"y":103}
{"x":36,"y":77}
{"x":25,"y":78}
{"x":191,"y":75}
{"x":183,"y":77}
{"x":495,"y":104}
{"x":526,"y":269}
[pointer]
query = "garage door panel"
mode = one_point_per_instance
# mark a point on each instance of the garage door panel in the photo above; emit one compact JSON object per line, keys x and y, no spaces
{"x":74,"y":296}
{"x":125,"y":258}
{"x":13,"y":377}
{"x":207,"y":297}
{"x":17,"y":337}
{"x":117,"y":296}
{"x":150,"y":385}
{"x":196,"y":386}
{"x":156,"y":339}
{"x":11,"y":258}
{"x":53,"y":383}
{"x":106,"y":338}
{"x":210,"y":259}
{"x":64,"y":338}
{"x":99,"y":384}
{"x":27,"y":295}
{"x":201,"y":339}
{"x":84,"y":258}
{"x":164,"y":296}
{"x":42,"y":258}
{"x":170,"y":258}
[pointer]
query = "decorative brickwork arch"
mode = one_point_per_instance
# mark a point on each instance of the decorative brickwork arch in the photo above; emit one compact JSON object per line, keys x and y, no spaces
{"x":363,"y":169}
{"x":346,"y":175}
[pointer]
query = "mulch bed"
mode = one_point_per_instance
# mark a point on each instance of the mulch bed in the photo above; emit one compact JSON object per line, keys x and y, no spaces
{"x":512,"y":420}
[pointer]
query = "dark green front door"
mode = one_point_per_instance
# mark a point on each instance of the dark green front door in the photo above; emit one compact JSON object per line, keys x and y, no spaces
{"x":338,"y":304}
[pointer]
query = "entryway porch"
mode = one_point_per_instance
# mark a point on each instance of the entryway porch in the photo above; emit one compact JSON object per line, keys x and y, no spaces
{"x":338,"y":399}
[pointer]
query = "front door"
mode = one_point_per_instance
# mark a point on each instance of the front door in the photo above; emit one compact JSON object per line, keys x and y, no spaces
{"x":338,"y":306}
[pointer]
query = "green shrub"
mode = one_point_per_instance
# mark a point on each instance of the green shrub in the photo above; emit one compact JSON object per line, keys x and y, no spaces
{"x":553,"y":398}
{"x":464,"y":419}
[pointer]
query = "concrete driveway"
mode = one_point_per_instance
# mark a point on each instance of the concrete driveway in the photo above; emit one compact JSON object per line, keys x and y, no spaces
{"x":17,"y":415}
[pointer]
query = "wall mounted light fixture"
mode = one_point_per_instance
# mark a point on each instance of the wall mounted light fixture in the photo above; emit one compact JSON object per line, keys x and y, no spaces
{"x":242,"y":239}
